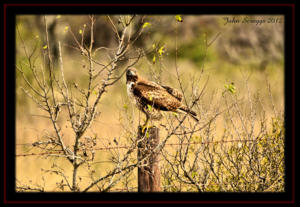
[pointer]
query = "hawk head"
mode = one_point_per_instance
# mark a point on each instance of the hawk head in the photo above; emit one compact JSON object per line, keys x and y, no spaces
{"x":131,"y":75}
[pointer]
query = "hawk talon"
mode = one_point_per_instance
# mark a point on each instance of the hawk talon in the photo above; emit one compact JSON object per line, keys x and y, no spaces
{"x":146,"y":126}
{"x":143,"y":129}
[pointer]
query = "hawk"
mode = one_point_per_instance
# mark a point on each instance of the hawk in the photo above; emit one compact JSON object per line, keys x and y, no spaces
{"x":151,"y":98}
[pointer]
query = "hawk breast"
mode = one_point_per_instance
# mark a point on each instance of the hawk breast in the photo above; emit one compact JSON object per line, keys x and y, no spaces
{"x":131,"y":96}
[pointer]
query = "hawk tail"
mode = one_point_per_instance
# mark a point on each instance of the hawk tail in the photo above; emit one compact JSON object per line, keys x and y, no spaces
{"x":190,"y":112}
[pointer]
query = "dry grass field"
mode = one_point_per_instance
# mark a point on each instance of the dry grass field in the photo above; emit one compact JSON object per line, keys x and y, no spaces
{"x":242,"y":54}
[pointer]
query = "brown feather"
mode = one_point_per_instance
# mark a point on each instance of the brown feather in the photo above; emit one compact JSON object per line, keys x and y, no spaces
{"x":157,"y":96}
{"x":190,"y":112}
{"x":154,"y":95}
{"x":174,"y":92}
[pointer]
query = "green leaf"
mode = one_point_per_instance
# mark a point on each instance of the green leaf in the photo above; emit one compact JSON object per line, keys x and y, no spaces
{"x":149,"y":107}
{"x":175,"y":114}
{"x":66,"y":29}
{"x":194,"y":173}
{"x":150,"y":98}
{"x":178,"y":18}
{"x":161,"y":50}
{"x":154,"y":59}
{"x":146,"y":24}
{"x":230,"y":87}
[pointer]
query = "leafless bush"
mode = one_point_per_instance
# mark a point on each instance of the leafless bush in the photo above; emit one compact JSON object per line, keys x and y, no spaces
{"x":60,"y":98}
{"x":246,"y":156}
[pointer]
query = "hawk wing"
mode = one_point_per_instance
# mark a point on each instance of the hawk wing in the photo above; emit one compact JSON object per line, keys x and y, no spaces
{"x":174,"y":92}
{"x":156,"y":96}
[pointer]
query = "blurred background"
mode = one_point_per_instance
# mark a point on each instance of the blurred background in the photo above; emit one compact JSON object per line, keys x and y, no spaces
{"x":238,"y":52}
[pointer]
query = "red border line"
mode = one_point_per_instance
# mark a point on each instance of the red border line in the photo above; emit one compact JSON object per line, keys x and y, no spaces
{"x":4,"y":104}
{"x":154,"y":202}
{"x":293,"y":107}
{"x":164,"y":5}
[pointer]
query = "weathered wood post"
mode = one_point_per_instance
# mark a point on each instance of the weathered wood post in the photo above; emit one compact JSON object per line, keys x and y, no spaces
{"x":148,"y":173}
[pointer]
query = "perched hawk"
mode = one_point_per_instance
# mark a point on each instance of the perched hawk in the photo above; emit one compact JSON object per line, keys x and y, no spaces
{"x":151,"y":97}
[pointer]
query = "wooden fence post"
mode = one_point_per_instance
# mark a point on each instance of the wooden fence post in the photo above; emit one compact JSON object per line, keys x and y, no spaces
{"x":148,"y":173}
